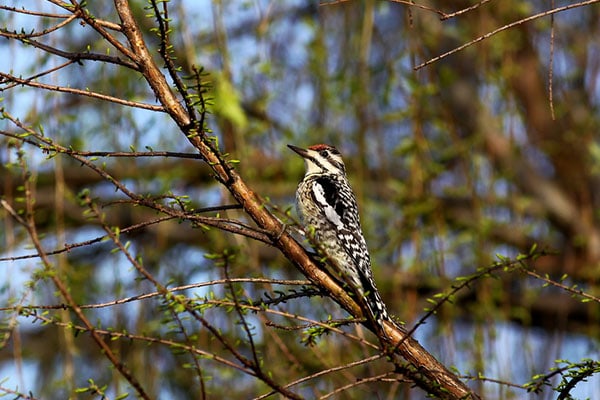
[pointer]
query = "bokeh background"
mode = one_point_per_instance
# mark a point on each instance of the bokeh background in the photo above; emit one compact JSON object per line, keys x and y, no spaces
{"x":488,"y":151}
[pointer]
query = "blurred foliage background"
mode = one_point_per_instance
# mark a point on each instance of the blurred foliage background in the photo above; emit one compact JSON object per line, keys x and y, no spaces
{"x":487,"y":151}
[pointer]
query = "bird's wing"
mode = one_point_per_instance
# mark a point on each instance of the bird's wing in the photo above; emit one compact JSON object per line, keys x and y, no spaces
{"x":341,"y":211}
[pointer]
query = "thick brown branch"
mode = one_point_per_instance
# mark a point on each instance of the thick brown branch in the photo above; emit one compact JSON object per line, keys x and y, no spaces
{"x":441,"y":381}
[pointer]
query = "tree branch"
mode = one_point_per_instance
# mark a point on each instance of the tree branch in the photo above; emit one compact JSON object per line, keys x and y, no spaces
{"x":442,"y":382}
{"x":503,"y":28}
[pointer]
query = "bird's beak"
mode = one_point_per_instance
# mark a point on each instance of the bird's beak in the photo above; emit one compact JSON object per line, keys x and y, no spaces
{"x":302,"y":152}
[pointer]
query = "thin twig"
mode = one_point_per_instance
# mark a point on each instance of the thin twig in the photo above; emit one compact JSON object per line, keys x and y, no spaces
{"x":175,"y":289}
{"x":12,"y":212}
{"x":503,"y":28}
{"x":79,"y":92}
{"x":325,"y":372}
{"x":98,"y":27}
{"x":106,"y":24}
{"x":229,"y":225}
{"x":19,"y":395}
{"x":34,"y":13}
{"x":134,"y":154}
{"x":464,"y":283}
{"x":40,"y":74}
{"x":410,"y":3}
{"x":165,"y":48}
{"x":25,"y":37}
{"x":493,"y":380}
{"x":358,"y":382}
{"x":62,"y":288}
{"x":124,"y":335}
{"x":572,"y":290}
{"x":79,"y":56}
{"x":551,"y":66}
{"x":187,"y":306}
{"x":70,"y":246}
{"x":464,"y":10}
{"x":239,"y":310}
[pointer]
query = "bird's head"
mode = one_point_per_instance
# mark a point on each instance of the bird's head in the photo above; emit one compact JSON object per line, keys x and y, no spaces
{"x":321,"y":159}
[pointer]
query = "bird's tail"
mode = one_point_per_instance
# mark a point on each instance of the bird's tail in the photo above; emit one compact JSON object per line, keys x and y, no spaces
{"x":375,"y":305}
{"x":377,"y":308}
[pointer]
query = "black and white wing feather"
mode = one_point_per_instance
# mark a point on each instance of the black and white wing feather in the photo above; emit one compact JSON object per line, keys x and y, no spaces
{"x":341,"y":211}
{"x":339,"y":208}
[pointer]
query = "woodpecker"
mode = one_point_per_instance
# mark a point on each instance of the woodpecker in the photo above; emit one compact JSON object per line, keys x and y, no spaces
{"x":328,"y":210}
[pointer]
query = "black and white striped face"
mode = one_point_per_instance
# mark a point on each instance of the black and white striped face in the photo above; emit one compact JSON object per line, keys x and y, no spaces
{"x":321,"y":159}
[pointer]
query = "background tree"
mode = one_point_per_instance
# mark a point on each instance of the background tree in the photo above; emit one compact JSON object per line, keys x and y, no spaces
{"x":145,"y":180}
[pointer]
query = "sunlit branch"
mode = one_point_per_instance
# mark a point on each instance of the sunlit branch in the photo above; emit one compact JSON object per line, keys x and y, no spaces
{"x":106,"y":24}
{"x":88,"y":93}
{"x":360,"y":381}
{"x":77,"y":56}
{"x":228,"y":304}
{"x":149,"y":339}
{"x":114,"y":235}
{"x":18,"y":395}
{"x":551,"y":66}
{"x":503,"y":28}
{"x":34,"y":13}
{"x":239,"y":309}
{"x":432,"y":375}
{"x":229,"y":225}
{"x":571,"y":289}
{"x":233,"y":226}
{"x":175,"y":289}
{"x":464,"y":10}
{"x":405,"y":2}
{"x":25,"y":37}
{"x":40,"y":74}
{"x":164,"y":51}
{"x":467,"y":281}
{"x":135,"y":154}
{"x":70,"y":246}
{"x":52,"y":148}
{"x":325,"y":372}
{"x":83,"y":13}
{"x":411,"y":3}
{"x":29,"y":224}
{"x":493,"y":380}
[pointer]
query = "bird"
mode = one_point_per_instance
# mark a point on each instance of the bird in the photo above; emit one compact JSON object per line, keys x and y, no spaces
{"x":329,"y":213}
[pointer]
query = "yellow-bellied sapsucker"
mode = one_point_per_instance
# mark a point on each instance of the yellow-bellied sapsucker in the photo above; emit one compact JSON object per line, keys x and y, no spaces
{"x":327,"y":207}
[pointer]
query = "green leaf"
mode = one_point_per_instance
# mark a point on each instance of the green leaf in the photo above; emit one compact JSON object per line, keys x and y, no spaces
{"x":227,"y":104}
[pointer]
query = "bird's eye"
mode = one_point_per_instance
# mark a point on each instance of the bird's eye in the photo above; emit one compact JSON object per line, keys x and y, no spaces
{"x":324,"y":153}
